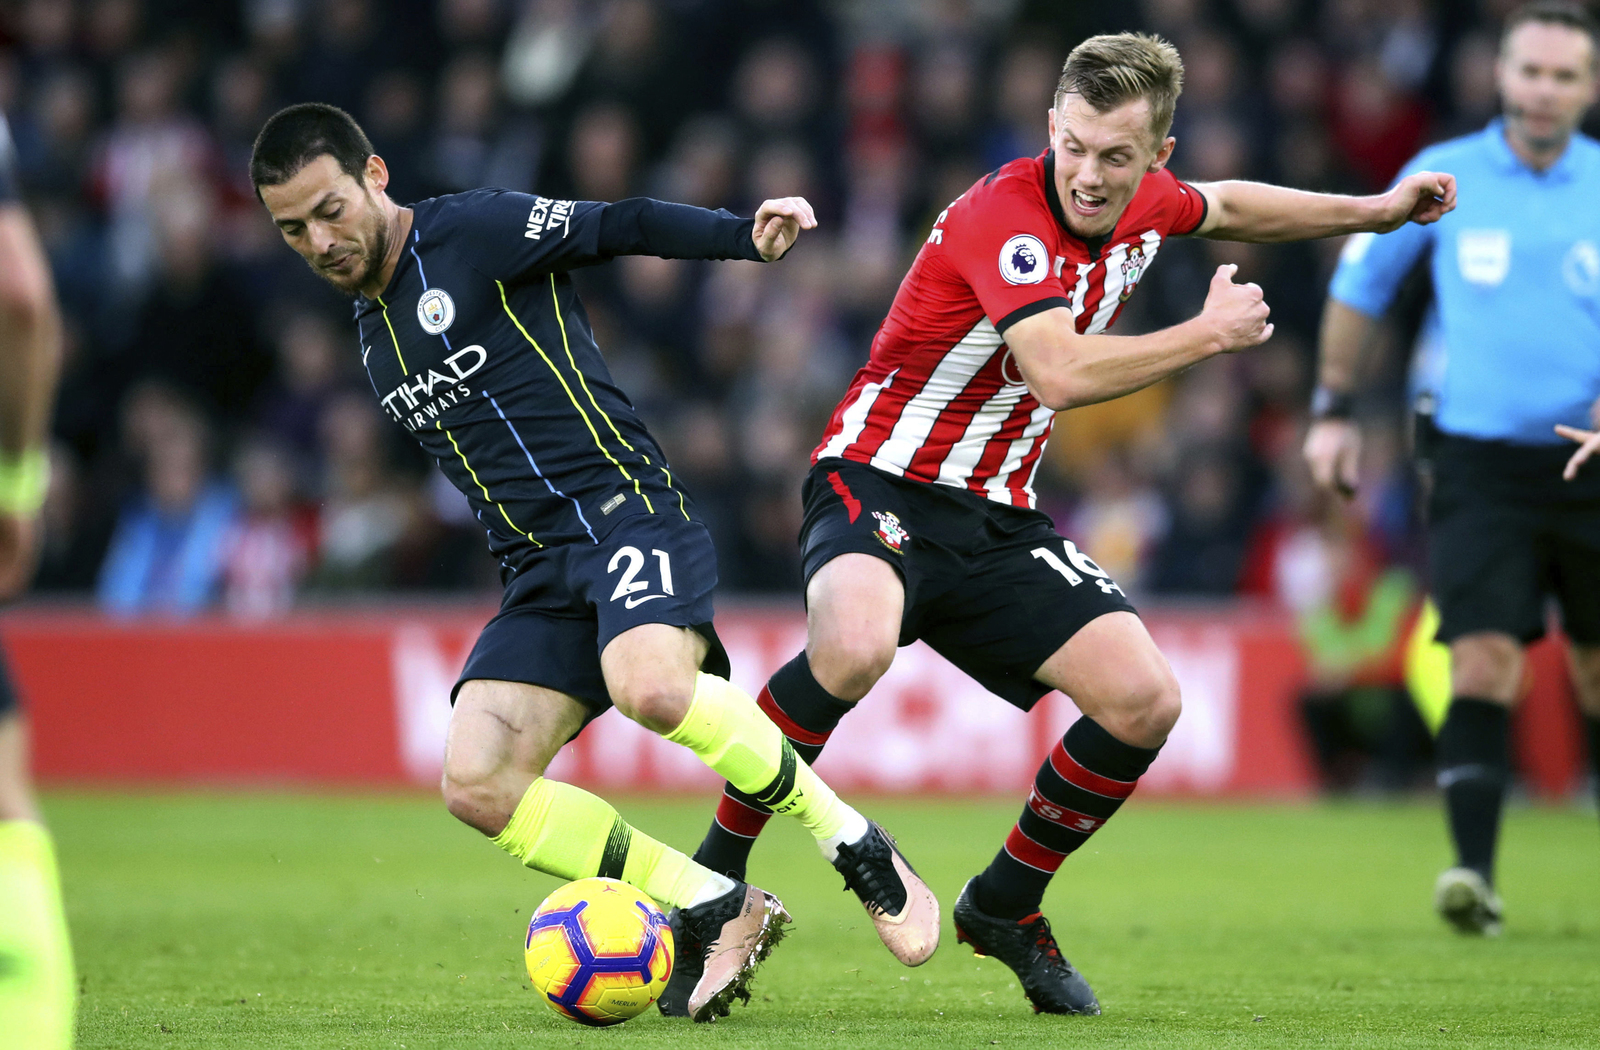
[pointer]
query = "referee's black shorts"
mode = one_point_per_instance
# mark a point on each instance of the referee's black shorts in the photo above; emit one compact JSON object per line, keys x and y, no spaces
{"x":1505,"y":533}
{"x":996,"y":590}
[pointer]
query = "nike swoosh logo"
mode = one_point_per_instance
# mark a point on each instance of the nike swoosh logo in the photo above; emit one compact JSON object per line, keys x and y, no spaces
{"x":631,"y":602}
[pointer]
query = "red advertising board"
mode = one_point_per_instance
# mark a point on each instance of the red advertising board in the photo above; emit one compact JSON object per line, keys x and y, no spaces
{"x":363,"y":698}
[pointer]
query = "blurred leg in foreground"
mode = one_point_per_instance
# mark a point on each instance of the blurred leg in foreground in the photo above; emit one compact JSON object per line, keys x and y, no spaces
{"x":36,"y":983}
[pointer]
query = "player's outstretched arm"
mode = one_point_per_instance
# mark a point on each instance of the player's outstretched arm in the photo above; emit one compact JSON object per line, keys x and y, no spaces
{"x":1264,"y":214}
{"x":30,"y":341}
{"x":1064,"y":369}
{"x":641,"y":226}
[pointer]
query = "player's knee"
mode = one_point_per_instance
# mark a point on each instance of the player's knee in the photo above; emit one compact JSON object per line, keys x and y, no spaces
{"x":479,"y":796}
{"x":1487,"y":665}
{"x":1586,"y":678}
{"x":848,"y":666}
{"x":1150,"y":708}
{"x":657,"y":704}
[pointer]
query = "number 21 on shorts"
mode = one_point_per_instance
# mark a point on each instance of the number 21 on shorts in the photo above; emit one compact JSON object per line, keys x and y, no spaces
{"x":1081,"y":561}
{"x":629,"y":584}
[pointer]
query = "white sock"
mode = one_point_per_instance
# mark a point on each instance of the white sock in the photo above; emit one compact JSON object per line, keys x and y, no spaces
{"x":716,"y":886}
{"x":855,"y":828}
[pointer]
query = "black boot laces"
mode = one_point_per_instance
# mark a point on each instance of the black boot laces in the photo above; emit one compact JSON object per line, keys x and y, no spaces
{"x":1044,"y":943}
{"x":875,"y":883}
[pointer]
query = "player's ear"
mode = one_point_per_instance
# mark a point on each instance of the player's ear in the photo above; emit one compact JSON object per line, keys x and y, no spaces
{"x":1052,"y":122}
{"x":377,"y":173}
{"x":1163,"y":154}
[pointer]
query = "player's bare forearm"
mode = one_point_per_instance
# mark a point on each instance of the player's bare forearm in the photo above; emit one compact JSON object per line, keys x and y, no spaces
{"x":1066,"y":370}
{"x":30,"y":360}
{"x":30,"y":336}
{"x":1264,"y":214}
{"x":1345,"y":333}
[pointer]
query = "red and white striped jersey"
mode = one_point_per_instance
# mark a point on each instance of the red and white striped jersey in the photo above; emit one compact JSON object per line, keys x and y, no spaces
{"x":941,"y":399}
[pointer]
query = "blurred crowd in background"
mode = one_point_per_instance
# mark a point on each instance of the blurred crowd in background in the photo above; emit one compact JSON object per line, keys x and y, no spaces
{"x":218,"y":446}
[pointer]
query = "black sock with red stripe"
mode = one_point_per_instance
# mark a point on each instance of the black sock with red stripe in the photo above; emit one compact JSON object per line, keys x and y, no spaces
{"x":807,"y":714}
{"x":1083,"y":782}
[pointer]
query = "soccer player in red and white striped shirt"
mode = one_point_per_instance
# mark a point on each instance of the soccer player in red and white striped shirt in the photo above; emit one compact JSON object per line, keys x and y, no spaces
{"x":920,"y":519}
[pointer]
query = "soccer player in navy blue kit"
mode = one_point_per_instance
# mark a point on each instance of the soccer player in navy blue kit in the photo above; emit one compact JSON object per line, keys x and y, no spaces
{"x":1514,"y":366}
{"x":477,"y":345}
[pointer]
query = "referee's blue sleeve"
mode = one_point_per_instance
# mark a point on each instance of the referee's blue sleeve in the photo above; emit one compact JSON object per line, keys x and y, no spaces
{"x":1373,"y":266}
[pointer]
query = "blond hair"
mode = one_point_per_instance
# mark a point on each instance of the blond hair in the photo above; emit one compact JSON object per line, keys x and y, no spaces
{"x":1110,"y":70}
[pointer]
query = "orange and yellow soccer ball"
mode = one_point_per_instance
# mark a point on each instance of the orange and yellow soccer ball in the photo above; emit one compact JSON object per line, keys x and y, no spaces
{"x":598,"y":951}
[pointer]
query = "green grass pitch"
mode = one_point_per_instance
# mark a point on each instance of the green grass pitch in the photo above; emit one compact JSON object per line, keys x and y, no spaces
{"x":282,"y":920}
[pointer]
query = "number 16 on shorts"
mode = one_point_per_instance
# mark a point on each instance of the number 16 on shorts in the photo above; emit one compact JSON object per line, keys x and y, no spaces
{"x":1081,"y":562}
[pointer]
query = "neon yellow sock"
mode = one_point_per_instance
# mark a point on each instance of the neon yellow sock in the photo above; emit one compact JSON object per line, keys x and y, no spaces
{"x":564,"y":831}
{"x":733,"y":736}
{"x":37,"y":995}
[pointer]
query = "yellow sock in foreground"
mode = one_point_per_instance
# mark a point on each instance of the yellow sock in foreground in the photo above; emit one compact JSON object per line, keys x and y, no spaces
{"x":564,"y":831}
{"x":36,"y":984}
{"x":733,"y":736}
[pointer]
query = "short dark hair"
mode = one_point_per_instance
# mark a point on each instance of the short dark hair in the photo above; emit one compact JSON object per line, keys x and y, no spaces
{"x":1567,"y":13}
{"x":297,"y":135}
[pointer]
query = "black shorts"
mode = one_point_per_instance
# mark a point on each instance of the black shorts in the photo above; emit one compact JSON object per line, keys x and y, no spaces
{"x":993,"y":589}
{"x":1505,"y":532}
{"x":567,"y":603}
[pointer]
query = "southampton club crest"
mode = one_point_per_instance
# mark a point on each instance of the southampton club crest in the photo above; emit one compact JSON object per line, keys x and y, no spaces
{"x":1024,"y":260}
{"x":1133,"y":266}
{"x":890,"y":532}
{"x":436,"y":311}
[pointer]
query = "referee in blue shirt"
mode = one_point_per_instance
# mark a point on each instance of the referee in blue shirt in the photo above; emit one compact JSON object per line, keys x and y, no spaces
{"x":1514,"y":332}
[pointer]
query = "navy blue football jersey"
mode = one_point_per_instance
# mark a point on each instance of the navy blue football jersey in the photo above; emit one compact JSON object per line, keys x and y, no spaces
{"x":480,"y":348}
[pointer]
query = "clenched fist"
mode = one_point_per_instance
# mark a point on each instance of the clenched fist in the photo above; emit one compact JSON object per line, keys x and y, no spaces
{"x":1424,"y":197}
{"x":778,"y":225}
{"x":1236,"y":312}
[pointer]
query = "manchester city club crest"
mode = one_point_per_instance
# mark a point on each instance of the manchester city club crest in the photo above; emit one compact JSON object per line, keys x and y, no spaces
{"x":435,"y":311}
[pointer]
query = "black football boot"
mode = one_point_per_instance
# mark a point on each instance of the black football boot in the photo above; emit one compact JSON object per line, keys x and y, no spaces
{"x":687,"y":965}
{"x":1048,"y":980}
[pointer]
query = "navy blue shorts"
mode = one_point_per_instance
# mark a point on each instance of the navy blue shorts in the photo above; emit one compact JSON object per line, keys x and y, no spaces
{"x":996,"y":590}
{"x":567,"y":603}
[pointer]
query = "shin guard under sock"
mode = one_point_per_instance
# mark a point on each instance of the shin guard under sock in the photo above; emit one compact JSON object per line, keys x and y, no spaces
{"x":1084,"y":781}
{"x":565,"y":831}
{"x":729,"y":732}
{"x":1474,"y":765}
{"x":807,"y":714}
